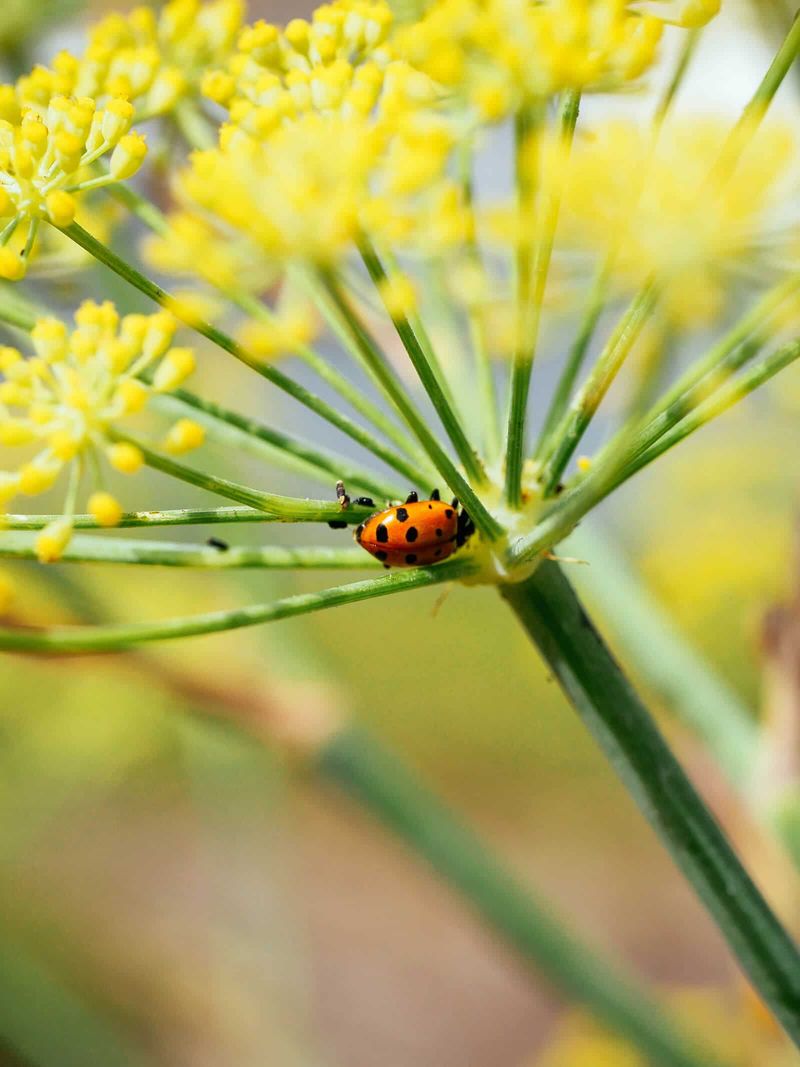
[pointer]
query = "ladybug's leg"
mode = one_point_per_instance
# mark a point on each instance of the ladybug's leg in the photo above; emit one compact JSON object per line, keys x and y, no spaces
{"x":454,"y":502}
{"x":565,"y":559}
{"x":435,"y":494}
{"x":344,"y":504}
{"x":465,"y":529}
{"x":412,"y":497}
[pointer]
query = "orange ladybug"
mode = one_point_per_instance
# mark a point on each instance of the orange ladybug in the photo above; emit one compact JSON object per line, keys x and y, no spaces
{"x":417,"y":533}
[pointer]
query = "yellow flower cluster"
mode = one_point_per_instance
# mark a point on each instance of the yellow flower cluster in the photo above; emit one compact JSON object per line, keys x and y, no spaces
{"x":151,"y":59}
{"x":44,"y":153}
{"x":497,"y":54}
{"x":199,"y":247}
{"x":655,"y":210}
{"x":335,"y":62}
{"x":61,"y":404}
{"x":305,"y":191}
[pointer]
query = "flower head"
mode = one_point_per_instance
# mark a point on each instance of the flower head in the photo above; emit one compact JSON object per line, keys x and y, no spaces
{"x":44,"y":153}
{"x":657,"y":211}
{"x":497,"y":54}
{"x":337,"y":61}
{"x":62,"y":404}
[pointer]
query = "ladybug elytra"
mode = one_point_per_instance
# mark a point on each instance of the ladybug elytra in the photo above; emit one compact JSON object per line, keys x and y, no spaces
{"x":414,"y":534}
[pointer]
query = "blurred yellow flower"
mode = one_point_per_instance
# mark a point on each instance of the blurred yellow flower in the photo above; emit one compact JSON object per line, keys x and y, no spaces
{"x":652,"y":209}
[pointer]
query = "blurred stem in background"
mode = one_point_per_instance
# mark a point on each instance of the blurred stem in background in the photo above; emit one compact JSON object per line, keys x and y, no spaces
{"x":374,"y":777}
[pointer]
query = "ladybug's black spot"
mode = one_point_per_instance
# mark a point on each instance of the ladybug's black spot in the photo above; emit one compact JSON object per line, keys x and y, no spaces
{"x":439,"y":533}
{"x":381,"y":533}
{"x":430,"y":507}
{"x":381,"y":555}
{"x":412,"y":533}
{"x":402,"y":514}
{"x":438,"y":552}
{"x":448,"y":513}
{"x":411,"y":558}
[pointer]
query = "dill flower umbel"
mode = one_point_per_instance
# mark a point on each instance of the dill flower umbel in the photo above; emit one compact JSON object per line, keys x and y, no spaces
{"x":45,"y":154}
{"x":334,"y":62}
{"x":482,"y":50}
{"x":655,"y":210}
{"x":63,"y":404}
{"x":154,"y":59}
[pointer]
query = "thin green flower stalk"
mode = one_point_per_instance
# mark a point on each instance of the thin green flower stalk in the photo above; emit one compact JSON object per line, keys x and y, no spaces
{"x":341,"y":135}
{"x":159,"y":223}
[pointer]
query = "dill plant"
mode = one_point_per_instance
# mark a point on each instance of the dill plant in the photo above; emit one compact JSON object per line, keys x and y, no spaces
{"x":332,"y":162}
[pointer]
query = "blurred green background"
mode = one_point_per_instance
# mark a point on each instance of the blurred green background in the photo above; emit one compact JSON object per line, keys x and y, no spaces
{"x":204,"y":900}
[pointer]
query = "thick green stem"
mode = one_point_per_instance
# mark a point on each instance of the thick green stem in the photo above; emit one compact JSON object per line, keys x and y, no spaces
{"x":548,"y":608}
{"x":384,"y":786}
{"x":304,"y":396}
{"x":482,"y":518}
{"x":663,"y":658}
{"x":425,"y":372}
{"x":67,"y":640}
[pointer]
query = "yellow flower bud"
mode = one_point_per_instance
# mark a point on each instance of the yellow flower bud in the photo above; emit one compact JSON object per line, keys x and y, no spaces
{"x":116,"y":120}
{"x":16,"y":432}
{"x":53,"y":539}
{"x":64,"y":445}
{"x":399,"y":295}
{"x":105,"y":508}
{"x":132,"y":396}
{"x":185,"y":435}
{"x":49,"y":337}
{"x":128,"y":156}
{"x":583,"y":463}
{"x":125,"y":457}
{"x":37,"y":477}
{"x":218,"y":86}
{"x":173,"y":369}
{"x":166,"y":90}
{"x":158,"y":334}
{"x":12,"y":266}
{"x":60,"y":208}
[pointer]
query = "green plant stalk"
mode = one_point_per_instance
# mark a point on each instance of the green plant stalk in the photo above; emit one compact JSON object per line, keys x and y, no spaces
{"x":640,"y":440}
{"x":450,"y":421}
{"x":329,"y":374}
{"x":48,"y":1024}
{"x":252,"y":435}
{"x":531,"y":308}
{"x":574,"y":362}
{"x":304,"y":396}
{"x":580,"y":413}
{"x":172,"y":517}
{"x":487,"y":390}
{"x":551,"y":613}
{"x":720,"y":401}
{"x":280,"y":508}
{"x":68,"y":640}
{"x":390,"y":791}
{"x":749,"y":323}
{"x":691,"y":39}
{"x":482,"y":518}
{"x":88,"y":549}
{"x":758,"y":104}
{"x":618,"y":466}
{"x":663,"y":658}
{"x":194,"y":126}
